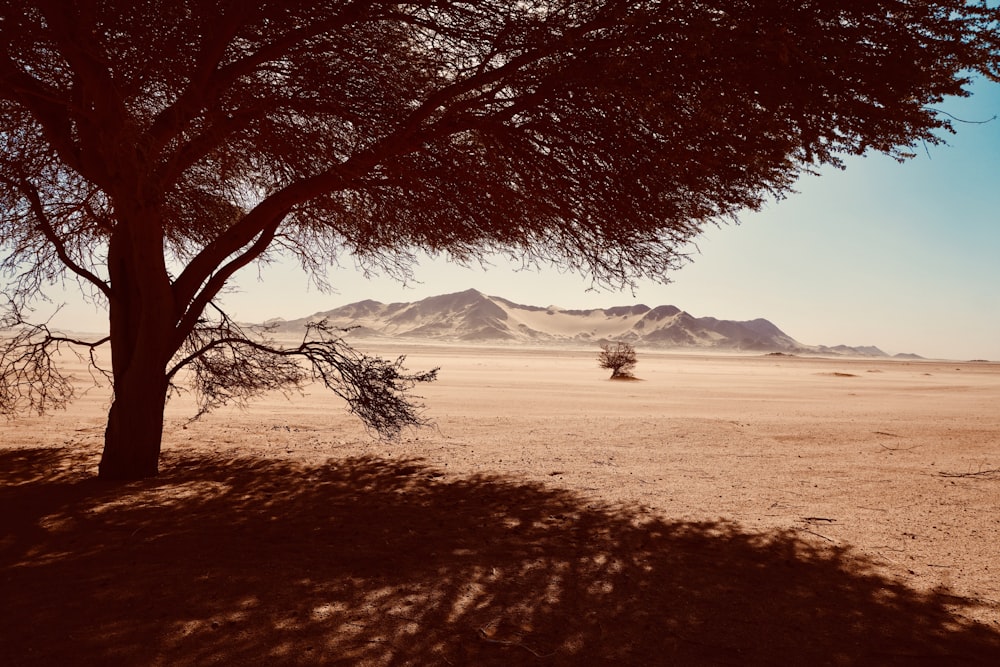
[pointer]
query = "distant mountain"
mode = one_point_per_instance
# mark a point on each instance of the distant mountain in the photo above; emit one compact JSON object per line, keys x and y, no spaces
{"x":474,"y":317}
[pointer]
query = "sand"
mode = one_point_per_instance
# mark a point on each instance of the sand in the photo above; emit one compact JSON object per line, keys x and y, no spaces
{"x":723,"y":510}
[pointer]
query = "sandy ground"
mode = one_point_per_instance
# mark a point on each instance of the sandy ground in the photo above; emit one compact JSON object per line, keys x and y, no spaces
{"x":723,"y":510}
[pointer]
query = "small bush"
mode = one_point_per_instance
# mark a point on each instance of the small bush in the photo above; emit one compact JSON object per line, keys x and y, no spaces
{"x":619,"y":358}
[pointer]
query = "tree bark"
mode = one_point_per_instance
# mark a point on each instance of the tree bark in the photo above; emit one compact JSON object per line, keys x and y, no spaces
{"x":142,"y":317}
{"x":135,"y":429}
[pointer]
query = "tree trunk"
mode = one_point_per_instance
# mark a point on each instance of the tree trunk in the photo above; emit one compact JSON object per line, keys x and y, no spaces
{"x":135,"y":429}
{"x":140,"y":349}
{"x":141,"y":317}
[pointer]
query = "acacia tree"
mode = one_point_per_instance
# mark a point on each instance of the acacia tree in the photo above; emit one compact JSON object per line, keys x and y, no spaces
{"x":619,"y":358}
{"x":150,"y":149}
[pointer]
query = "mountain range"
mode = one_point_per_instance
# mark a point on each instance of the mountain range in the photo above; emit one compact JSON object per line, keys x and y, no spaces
{"x":473,"y":317}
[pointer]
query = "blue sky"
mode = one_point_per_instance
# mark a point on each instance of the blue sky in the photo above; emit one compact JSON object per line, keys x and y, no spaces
{"x":902,"y":256}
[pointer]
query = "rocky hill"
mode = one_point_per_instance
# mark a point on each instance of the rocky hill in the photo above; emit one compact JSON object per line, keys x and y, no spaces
{"x":473,"y":317}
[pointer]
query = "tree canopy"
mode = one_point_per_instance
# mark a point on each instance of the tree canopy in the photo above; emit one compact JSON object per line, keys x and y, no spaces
{"x":150,"y":149}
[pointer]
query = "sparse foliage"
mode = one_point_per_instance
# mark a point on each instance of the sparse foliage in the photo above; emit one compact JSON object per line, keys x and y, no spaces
{"x":229,"y":364}
{"x":31,"y":378}
{"x":151,"y":149}
{"x":619,"y":358}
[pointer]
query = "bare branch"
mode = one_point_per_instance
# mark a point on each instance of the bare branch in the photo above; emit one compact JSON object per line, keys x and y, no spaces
{"x":232,"y":365}
{"x":30,"y":377}
{"x":375,"y":389}
{"x":213,"y":80}
{"x":31,"y":193}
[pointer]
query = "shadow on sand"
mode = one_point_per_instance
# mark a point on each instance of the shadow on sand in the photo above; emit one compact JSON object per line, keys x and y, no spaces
{"x":383,"y":562}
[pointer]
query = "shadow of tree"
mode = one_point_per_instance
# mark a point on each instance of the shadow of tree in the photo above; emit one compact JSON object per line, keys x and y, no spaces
{"x":384,"y":562}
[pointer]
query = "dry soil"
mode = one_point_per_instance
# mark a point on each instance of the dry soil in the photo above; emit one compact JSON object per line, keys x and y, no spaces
{"x":732,"y":510}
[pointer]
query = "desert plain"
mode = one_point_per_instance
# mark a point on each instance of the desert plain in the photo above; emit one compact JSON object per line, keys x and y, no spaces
{"x":719,"y":510}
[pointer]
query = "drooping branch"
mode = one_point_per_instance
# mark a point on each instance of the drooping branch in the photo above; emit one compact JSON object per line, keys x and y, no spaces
{"x":229,"y":364}
{"x":31,"y":379}
{"x":375,"y":389}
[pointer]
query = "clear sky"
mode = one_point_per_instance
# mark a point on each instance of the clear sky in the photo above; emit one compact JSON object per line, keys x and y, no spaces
{"x":902,"y":256}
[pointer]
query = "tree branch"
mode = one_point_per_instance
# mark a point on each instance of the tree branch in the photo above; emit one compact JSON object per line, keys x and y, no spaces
{"x":30,"y":378}
{"x":47,"y":107}
{"x":405,"y":139}
{"x":30,"y":192}
{"x":196,"y":305}
{"x":228,"y":365}
{"x":211,"y":81}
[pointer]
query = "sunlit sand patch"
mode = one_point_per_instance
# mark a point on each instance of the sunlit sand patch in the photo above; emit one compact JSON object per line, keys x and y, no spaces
{"x":165,"y":496}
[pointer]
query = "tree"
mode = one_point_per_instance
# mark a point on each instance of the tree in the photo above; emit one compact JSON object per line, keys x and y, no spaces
{"x":619,"y":358}
{"x":151,"y":149}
